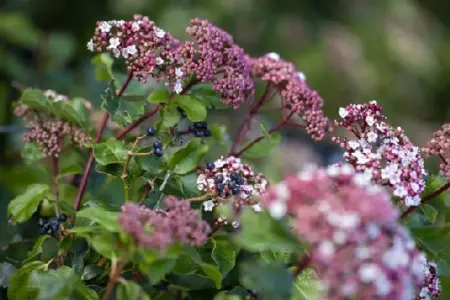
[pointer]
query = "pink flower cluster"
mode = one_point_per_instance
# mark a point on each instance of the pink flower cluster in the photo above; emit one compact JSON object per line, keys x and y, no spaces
{"x":149,"y":51}
{"x":439,"y":145}
{"x":295,"y":92}
{"x":384,"y":154}
{"x":231,"y":180}
{"x":357,"y":247}
{"x":158,"y":229}
{"x":431,"y":285}
{"x":49,"y":132}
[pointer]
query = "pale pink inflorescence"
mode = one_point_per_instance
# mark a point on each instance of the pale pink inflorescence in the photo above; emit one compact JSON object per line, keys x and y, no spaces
{"x":149,"y":51}
{"x":439,"y":145}
{"x":49,"y":132}
{"x":230,"y":173}
{"x":384,"y":154}
{"x":356,"y":246}
{"x":431,"y":287}
{"x":158,"y":229}
{"x":295,"y":92}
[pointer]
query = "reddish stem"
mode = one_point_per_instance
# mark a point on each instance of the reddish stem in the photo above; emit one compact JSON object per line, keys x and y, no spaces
{"x":88,"y":167}
{"x":136,"y":123}
{"x":243,"y":128}
{"x":426,"y":198}
{"x":302,"y":265}
{"x":258,"y":139}
{"x":443,"y":158}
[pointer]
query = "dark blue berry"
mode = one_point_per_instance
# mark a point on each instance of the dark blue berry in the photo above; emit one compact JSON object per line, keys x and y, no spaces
{"x":200,"y":125}
{"x":42,"y":231}
{"x":240,"y":181}
{"x":157,"y":145}
{"x":219,"y":178}
{"x":54,"y":226}
{"x":199,"y":133}
{"x":151,"y":131}
{"x":232,"y":185}
{"x":234,"y":176}
{"x":62,"y":218}
{"x":46,"y":227}
{"x":207,"y":133}
{"x":210,"y":166}
{"x":192,"y":128}
{"x":220,"y":187}
{"x":158,"y":152}
{"x":235,"y":190}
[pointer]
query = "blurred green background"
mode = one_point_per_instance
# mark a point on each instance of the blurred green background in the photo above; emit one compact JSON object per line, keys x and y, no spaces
{"x":397,"y":52}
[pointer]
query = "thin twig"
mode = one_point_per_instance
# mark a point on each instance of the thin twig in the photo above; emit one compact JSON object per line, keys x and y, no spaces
{"x":55,"y":174}
{"x":90,"y":161}
{"x":443,"y":158}
{"x":138,"y":122}
{"x":116,"y":269}
{"x":197,"y":199}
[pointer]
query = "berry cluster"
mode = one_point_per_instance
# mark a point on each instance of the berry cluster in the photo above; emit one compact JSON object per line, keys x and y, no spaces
{"x":51,"y":227}
{"x":229,"y":179}
{"x":295,"y":93}
{"x":200,"y":129}
{"x":439,"y":145}
{"x":357,"y":247}
{"x":384,"y":154}
{"x":179,"y":223}
{"x":158,"y":149}
{"x":431,"y":285}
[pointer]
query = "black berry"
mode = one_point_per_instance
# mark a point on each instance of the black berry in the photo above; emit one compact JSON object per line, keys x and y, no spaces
{"x":199,"y":133}
{"x":192,"y":128}
{"x":151,"y":131}
{"x":240,"y":181}
{"x":54,"y":226}
{"x":220,"y":187}
{"x":207,"y":133}
{"x":235,"y":190}
{"x":200,"y":125}
{"x":62,"y":218}
{"x":234,"y":176}
{"x":210,"y":166}
{"x":157,"y":145}
{"x":46,"y":227}
{"x":219,"y":178}
{"x":158,"y":152}
{"x":42,"y":231}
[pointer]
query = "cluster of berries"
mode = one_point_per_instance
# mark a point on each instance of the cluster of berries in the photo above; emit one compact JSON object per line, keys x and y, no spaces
{"x":157,"y":145}
{"x":52,"y":226}
{"x":200,"y":129}
{"x":234,"y":185}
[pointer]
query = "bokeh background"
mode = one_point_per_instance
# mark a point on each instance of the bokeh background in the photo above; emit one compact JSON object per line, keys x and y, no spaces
{"x":394,"y":51}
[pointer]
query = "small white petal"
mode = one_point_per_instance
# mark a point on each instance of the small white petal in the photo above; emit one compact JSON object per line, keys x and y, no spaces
{"x":277,"y":209}
{"x":302,"y":76}
{"x":235,"y":224}
{"x":273,"y":56}
{"x":343,"y":112}
{"x":159,"y":61}
{"x":90,"y":45}
{"x":208,"y":205}
{"x":256,"y":207}
{"x":178,"y":72}
{"x":160,"y":33}
{"x":178,"y":87}
{"x":370,"y":120}
{"x":105,"y":27}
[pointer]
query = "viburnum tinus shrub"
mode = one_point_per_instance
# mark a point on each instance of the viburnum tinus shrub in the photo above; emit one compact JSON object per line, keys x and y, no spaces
{"x":154,"y":201}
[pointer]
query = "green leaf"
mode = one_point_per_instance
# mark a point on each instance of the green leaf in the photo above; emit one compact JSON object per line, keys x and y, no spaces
{"x":263,"y":147}
{"x":186,"y":159}
{"x":306,"y":286}
{"x":91,"y":271}
{"x":170,"y":116}
{"x":106,"y":219}
{"x":37,"y":248}
{"x":224,"y":254}
{"x":189,"y":185}
{"x":159,"y":96}
{"x":152,"y":164}
{"x":210,"y":270}
{"x":58,"y":284}
{"x":71,"y":169}
{"x":82,"y":292}
{"x":16,"y":28}
{"x":31,"y":153}
{"x":225,"y":295}
{"x":105,"y":244}
{"x":429,"y":211}
{"x":270,"y":281}
{"x":210,"y":98}
{"x":110,"y":152}
{"x":18,"y":288}
{"x":103,"y":67}
{"x":195,"y":110}
{"x":260,"y":232}
{"x":23,"y":206}
{"x":159,"y":269}
{"x":6,"y":272}
{"x":131,"y":291}
{"x":122,"y":111}
{"x":220,"y":134}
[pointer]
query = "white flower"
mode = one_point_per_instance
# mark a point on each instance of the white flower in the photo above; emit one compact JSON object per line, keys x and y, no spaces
{"x":235,"y":224}
{"x":256,"y":207}
{"x":113,"y":43}
{"x":360,"y":157}
{"x":354,"y":144}
{"x":178,"y":87}
{"x":400,"y":191}
{"x":372,"y":137}
{"x":343,"y":112}
{"x":208,"y":205}
{"x":159,"y":61}
{"x":105,"y":27}
{"x":159,"y":32}
{"x":326,"y":249}
{"x":415,"y":187}
{"x":373,"y":102}
{"x":368,"y":272}
{"x":370,"y":120}
{"x":90,"y":45}
{"x":277,"y":209}
{"x":132,"y":49}
{"x":178,"y":72}
{"x":135,"y":26}
{"x":412,"y":201}
{"x":273,"y":56}
{"x":301,"y":75}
